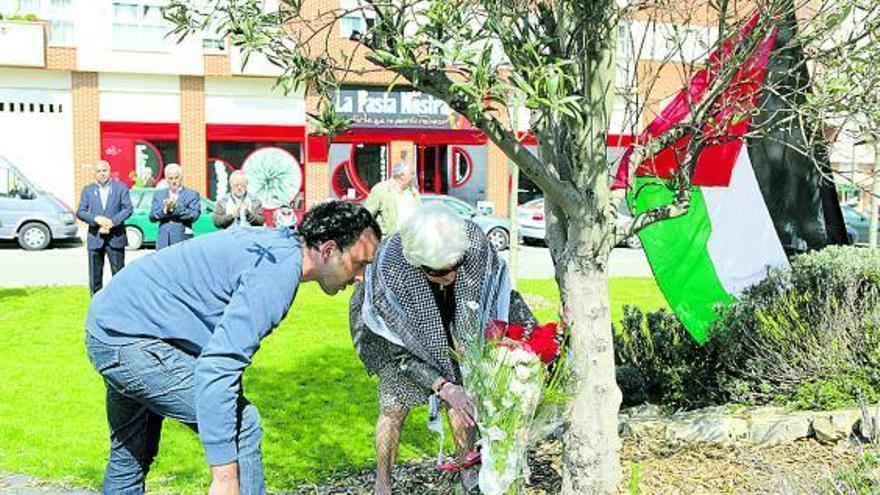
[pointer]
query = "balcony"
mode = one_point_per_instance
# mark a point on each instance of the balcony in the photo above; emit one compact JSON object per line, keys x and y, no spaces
{"x":29,"y":40}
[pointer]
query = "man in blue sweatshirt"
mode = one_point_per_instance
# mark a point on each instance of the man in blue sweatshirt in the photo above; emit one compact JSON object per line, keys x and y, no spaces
{"x":173,"y":333}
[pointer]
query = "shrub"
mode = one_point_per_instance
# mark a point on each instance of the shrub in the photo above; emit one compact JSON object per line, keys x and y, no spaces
{"x":659,"y":363}
{"x":807,"y":336}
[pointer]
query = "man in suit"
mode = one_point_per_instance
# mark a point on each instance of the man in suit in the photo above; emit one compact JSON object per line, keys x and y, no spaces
{"x":175,"y":208}
{"x":238,"y":207}
{"x":104,"y":205}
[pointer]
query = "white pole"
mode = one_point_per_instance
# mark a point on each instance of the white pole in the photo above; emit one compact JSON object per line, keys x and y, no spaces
{"x":514,"y":105}
{"x":514,"y":222}
{"x":875,"y":191}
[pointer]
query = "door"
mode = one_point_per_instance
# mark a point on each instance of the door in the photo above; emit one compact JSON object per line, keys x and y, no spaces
{"x":432,"y":168}
{"x":356,"y":167}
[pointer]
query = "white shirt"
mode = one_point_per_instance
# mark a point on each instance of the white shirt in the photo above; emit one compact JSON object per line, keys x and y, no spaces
{"x":406,"y":205}
{"x":104,"y":192}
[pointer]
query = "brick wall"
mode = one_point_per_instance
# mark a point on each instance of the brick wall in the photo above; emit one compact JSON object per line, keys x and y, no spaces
{"x":330,"y":41}
{"x":401,"y":150}
{"x":217,"y":65}
{"x":657,"y":82}
{"x":317,"y":182}
{"x":498,"y":178}
{"x":61,"y":58}
{"x":193,"y":145}
{"x":86,"y":126}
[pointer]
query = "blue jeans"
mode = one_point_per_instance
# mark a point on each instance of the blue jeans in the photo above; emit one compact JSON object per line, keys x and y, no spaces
{"x":146,"y":382}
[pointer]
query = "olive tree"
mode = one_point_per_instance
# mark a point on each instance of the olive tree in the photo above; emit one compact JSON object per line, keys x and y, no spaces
{"x":557,"y":57}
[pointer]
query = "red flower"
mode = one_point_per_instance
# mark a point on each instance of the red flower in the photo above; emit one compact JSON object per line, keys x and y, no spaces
{"x":544,"y":342}
{"x":515,"y":332}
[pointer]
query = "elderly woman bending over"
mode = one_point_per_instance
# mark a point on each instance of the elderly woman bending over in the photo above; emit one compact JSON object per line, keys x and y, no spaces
{"x":431,"y":289}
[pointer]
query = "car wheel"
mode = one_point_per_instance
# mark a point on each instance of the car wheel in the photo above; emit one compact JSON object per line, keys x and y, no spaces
{"x":135,"y":238}
{"x":633,"y":242}
{"x":34,"y":237}
{"x":498,"y":238}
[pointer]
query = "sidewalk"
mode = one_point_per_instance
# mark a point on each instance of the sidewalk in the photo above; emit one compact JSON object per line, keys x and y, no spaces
{"x":67,"y":264}
{"x":16,"y":484}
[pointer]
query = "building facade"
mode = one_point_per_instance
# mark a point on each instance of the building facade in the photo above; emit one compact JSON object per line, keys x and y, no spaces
{"x":100,"y":79}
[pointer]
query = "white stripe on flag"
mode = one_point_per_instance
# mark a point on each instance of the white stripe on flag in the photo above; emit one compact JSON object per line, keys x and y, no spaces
{"x":743,"y":245}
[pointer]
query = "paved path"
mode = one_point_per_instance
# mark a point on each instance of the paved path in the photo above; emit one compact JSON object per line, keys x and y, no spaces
{"x":16,"y":484}
{"x":67,"y":264}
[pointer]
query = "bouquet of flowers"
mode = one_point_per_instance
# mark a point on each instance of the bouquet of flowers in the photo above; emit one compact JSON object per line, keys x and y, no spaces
{"x":517,"y":381}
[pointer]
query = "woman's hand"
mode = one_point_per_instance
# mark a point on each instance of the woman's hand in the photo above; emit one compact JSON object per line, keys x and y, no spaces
{"x":458,"y":399}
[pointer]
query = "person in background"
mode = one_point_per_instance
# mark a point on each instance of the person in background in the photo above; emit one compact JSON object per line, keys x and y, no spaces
{"x":104,"y":205}
{"x":174,"y":208}
{"x":433,"y":287}
{"x":238,"y":207}
{"x":394,"y":200}
{"x":173,"y":335}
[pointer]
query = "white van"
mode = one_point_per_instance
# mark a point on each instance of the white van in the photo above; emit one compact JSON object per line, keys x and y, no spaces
{"x":32,"y":216}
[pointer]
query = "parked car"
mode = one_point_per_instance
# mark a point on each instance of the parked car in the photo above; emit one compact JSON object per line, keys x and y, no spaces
{"x":27,"y":213}
{"x":852,"y":236}
{"x":532,"y":225}
{"x":497,"y":229}
{"x":531,"y":221}
{"x":858,"y":225}
{"x":141,"y":231}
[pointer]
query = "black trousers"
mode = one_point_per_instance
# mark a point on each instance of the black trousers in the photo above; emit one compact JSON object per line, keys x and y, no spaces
{"x":96,"y":265}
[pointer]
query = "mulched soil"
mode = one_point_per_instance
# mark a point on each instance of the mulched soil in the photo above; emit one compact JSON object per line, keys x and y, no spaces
{"x":659,"y":468}
{"x":798,"y":468}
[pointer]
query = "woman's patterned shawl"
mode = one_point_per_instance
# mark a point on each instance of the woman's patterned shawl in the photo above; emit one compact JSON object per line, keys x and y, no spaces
{"x":394,"y":307}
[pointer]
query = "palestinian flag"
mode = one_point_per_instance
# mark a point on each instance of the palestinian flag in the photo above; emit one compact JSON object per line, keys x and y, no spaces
{"x":757,"y":195}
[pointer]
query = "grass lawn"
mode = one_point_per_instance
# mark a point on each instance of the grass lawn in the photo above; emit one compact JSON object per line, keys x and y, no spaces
{"x":317,"y":403}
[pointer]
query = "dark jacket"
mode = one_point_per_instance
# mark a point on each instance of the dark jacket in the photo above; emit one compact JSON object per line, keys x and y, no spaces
{"x":173,"y":225}
{"x":118,"y":210}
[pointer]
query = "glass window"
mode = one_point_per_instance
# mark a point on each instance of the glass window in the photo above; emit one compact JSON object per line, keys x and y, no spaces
{"x":60,"y":22}
{"x":370,"y":165}
{"x":353,"y":23}
{"x":11,"y":185}
{"x":227,"y":156}
{"x":6,"y":184}
{"x":350,"y":24}
{"x":213,"y":39}
{"x":139,"y":26}
{"x":461,"y":167}
{"x":150,"y":158}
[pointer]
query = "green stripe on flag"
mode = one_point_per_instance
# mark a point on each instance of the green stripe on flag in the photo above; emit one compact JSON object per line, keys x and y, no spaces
{"x":678,"y":254}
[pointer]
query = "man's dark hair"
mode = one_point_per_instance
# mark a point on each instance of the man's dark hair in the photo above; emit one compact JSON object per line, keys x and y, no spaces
{"x":336,"y":220}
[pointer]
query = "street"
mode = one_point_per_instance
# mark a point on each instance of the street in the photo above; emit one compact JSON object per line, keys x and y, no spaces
{"x":66,"y":264}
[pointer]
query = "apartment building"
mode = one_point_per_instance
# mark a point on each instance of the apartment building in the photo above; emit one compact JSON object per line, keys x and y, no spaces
{"x":98,"y":79}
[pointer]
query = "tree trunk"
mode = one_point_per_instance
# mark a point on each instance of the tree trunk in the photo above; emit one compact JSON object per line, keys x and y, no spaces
{"x":591,"y":455}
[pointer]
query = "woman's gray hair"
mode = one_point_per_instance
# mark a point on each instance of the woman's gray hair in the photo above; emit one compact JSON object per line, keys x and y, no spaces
{"x":434,"y":236}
